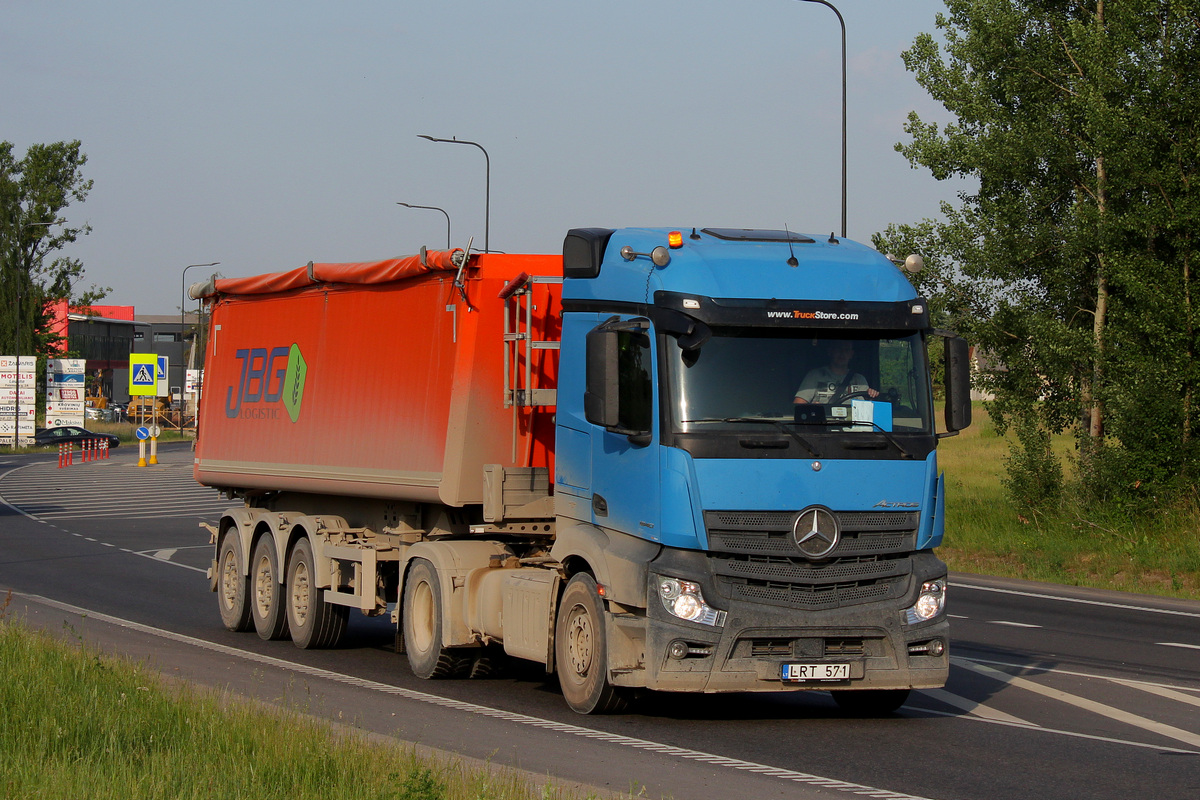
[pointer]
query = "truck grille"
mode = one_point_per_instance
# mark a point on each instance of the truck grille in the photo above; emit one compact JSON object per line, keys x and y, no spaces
{"x":755,"y":558}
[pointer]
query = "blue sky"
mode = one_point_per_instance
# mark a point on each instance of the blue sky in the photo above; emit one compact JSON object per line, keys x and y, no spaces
{"x":266,"y":135}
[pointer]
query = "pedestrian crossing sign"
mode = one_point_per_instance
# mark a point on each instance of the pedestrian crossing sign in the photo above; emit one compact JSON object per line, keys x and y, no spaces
{"x":143,"y":377}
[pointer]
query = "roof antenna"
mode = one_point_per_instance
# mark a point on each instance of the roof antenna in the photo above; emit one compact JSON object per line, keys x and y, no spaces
{"x":694,"y":234}
{"x":791,"y":262}
{"x":833,"y":239}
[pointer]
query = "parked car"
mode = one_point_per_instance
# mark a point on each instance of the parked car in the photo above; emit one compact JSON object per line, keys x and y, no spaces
{"x":72,"y":434}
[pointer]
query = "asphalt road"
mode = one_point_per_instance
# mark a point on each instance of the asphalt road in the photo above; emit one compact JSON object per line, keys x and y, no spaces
{"x":1054,"y":692}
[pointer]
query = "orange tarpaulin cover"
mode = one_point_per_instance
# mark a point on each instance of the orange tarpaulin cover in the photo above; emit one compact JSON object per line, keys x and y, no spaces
{"x":365,"y":272}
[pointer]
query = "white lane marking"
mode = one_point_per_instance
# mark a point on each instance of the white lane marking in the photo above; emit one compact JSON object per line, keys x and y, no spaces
{"x":165,"y":555}
{"x":1073,"y":734}
{"x":1026,"y":667}
{"x":1162,"y":729}
{"x":971,"y":707}
{"x":1179,"y":644}
{"x":1163,"y":691}
{"x":1012,"y":624}
{"x":1102,"y":603}
{"x":508,"y":716}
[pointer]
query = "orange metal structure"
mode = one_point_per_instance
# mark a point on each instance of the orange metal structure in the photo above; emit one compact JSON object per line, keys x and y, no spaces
{"x":383,"y":379}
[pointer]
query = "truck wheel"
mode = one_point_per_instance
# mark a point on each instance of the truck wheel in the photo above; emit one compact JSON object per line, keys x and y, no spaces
{"x":581,"y":651}
{"x":314,"y":623}
{"x":266,"y":592}
{"x":233,"y":589}
{"x":423,"y":625}
{"x":870,"y":702}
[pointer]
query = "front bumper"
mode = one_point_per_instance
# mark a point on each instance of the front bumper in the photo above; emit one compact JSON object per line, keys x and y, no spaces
{"x":749,"y":651}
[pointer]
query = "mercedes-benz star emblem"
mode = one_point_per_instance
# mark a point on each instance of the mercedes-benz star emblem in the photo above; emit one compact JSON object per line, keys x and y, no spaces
{"x":816,"y":532}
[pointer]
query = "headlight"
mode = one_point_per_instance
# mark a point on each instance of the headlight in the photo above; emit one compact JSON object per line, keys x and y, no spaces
{"x":930,"y":603}
{"x":684,"y":599}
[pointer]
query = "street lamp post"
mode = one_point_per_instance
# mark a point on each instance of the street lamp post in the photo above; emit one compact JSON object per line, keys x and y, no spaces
{"x":487,"y":212}
{"x":841,"y":22}
{"x":182,"y":303}
{"x":432,"y":208}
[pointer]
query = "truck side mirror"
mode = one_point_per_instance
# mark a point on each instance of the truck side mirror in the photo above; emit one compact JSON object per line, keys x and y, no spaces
{"x":958,"y":384}
{"x":600,"y":398}
{"x":619,"y":390}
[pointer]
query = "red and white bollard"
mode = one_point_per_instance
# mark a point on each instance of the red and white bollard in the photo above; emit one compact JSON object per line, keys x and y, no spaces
{"x":65,"y":452}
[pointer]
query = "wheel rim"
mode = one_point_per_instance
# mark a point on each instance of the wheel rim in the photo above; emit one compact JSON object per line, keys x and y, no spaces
{"x":263,"y":580}
{"x":229,"y":579}
{"x":300,"y":593}
{"x":580,"y":641}
{"x":422,"y":616}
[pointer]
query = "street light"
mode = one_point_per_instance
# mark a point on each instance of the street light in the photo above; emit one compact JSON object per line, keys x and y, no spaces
{"x":487,"y":212}
{"x":182,"y":303}
{"x":841,"y":22}
{"x":432,"y":208}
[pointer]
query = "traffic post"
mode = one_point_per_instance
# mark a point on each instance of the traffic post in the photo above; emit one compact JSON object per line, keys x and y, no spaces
{"x":154,"y":432}
{"x":143,"y":433}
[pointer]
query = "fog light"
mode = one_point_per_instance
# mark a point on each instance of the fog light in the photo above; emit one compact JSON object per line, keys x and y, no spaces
{"x":677,"y":650}
{"x":933,"y":647}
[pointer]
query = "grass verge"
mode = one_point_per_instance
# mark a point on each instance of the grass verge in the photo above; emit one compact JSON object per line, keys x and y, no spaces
{"x":1073,"y":543}
{"x":74,"y":723}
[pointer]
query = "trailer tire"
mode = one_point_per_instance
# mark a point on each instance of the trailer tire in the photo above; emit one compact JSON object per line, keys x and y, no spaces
{"x":233,"y":588}
{"x":870,"y":702}
{"x":423,"y":626}
{"x":314,"y":623}
{"x":266,"y":591}
{"x":581,"y":651}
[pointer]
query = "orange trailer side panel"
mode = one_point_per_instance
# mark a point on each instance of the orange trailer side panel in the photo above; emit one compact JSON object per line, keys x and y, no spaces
{"x":391,"y":389}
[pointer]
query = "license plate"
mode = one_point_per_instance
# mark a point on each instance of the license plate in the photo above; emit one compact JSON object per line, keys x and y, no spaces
{"x":816,"y":672}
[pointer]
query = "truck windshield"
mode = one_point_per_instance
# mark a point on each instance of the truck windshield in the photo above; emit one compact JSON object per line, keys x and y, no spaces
{"x":818,"y":381}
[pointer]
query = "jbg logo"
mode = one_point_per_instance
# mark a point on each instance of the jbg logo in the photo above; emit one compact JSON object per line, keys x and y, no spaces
{"x":268,"y":377}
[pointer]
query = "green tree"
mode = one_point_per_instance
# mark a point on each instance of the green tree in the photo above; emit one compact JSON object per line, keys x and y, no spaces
{"x":1079,"y":122}
{"x":34,"y":190}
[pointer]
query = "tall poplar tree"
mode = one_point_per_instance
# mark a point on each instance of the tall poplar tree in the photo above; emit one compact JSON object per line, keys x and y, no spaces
{"x":34,"y":190}
{"x":1078,"y":119}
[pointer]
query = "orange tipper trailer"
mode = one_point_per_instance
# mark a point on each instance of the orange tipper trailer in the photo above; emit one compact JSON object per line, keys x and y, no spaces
{"x":691,"y":460}
{"x":379,"y":380}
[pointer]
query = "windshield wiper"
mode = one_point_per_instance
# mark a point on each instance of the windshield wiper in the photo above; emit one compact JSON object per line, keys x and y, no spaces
{"x":759,"y":421}
{"x":887,"y":436}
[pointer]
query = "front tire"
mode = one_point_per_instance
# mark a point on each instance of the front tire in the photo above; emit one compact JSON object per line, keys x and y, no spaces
{"x":314,"y":623}
{"x":581,"y":651}
{"x":233,"y":588}
{"x":266,"y":591}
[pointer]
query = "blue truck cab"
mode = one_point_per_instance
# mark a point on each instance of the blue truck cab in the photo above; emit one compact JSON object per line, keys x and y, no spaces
{"x":746,"y":468}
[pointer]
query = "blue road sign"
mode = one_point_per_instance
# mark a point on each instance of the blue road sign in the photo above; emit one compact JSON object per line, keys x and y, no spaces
{"x":143,"y":433}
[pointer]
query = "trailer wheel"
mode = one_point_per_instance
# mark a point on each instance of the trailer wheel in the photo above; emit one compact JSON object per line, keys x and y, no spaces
{"x":314,"y":623}
{"x":266,"y":592}
{"x":233,"y":589}
{"x":581,"y":651}
{"x":870,"y":702}
{"x":423,"y":625}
